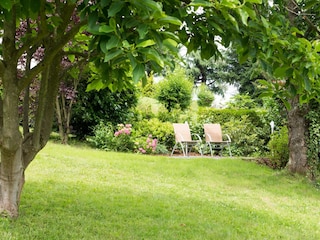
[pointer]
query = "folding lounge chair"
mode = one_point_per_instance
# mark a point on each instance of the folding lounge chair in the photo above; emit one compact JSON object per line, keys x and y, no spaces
{"x":214,"y":138}
{"x":184,"y":139}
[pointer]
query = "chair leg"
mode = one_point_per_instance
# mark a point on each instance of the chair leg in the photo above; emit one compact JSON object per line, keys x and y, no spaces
{"x":210,"y":149}
{"x":174,"y":148}
{"x":184,"y":150}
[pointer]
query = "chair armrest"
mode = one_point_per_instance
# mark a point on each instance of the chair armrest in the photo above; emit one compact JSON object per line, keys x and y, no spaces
{"x":210,"y":138}
{"x":198,"y":136}
{"x":228,"y":137}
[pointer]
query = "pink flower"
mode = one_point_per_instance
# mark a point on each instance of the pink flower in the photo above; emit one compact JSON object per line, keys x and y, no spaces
{"x":126,"y":131}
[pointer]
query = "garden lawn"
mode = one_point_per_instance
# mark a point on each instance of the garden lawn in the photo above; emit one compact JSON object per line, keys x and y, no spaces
{"x":80,"y":193}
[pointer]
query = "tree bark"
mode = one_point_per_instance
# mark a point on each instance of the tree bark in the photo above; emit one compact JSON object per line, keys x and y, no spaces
{"x":297,"y":128}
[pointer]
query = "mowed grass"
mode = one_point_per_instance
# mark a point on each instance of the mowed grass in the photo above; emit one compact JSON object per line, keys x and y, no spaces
{"x":80,"y":193}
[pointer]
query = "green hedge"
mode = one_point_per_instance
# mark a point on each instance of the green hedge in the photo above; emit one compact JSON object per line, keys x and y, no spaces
{"x":249,"y":130}
{"x":212,"y":115}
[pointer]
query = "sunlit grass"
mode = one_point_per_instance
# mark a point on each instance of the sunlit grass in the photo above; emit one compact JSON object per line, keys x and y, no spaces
{"x":80,"y":193}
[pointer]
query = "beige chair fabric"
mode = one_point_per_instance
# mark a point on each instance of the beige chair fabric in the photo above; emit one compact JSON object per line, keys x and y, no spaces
{"x":215,"y":139}
{"x":184,"y":140}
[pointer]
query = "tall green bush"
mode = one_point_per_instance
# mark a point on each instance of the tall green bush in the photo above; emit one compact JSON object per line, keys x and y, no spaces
{"x":205,"y":96}
{"x":279,"y":150}
{"x":95,"y":106}
{"x":163,"y":131}
{"x":175,"y":91}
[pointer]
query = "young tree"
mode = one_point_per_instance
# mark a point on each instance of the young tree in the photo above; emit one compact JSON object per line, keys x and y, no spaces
{"x":175,"y":91}
{"x":125,"y":35}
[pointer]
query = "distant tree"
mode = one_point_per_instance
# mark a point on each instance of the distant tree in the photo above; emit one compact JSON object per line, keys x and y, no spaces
{"x":216,"y":73}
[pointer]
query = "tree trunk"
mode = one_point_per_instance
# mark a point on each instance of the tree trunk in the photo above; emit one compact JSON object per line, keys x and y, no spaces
{"x":11,"y":182}
{"x":297,"y":128}
{"x":12,"y":167}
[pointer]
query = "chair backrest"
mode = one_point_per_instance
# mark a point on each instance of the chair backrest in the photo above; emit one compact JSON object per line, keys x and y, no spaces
{"x":182,"y":132}
{"x":213,"y":132}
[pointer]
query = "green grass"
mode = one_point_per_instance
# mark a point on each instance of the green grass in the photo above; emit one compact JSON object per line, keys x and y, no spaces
{"x":80,"y":193}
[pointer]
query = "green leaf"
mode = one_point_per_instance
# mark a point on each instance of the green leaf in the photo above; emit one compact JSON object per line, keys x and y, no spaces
{"x":111,"y":55}
{"x":113,"y":24}
{"x":170,"y":20}
{"x":96,"y":84}
{"x":104,"y":3}
{"x":316,"y":45}
{"x":6,"y":4}
{"x":113,"y":43}
{"x":142,"y":29}
{"x":138,"y":72}
{"x":71,"y":58}
{"x":307,"y":82}
{"x":243,"y":15}
{"x":201,"y":3}
{"x":152,"y":5}
{"x":280,"y":72}
{"x":115,"y":8}
{"x":146,"y":43}
{"x":30,"y":7}
{"x":229,"y":17}
{"x":171,"y":44}
{"x":105,"y":29}
{"x":152,"y":54}
{"x":254,"y":1}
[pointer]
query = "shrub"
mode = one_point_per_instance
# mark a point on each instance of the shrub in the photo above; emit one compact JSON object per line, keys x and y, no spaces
{"x":225,"y":115}
{"x":205,"y":96}
{"x":122,"y":140}
{"x":95,"y":106}
{"x":103,"y":136}
{"x":279,"y":150}
{"x":241,"y":101}
{"x":163,"y":131}
{"x":245,"y":140}
{"x":173,"y":116}
{"x":146,"y":145}
{"x":108,"y":138}
{"x":175,"y":91}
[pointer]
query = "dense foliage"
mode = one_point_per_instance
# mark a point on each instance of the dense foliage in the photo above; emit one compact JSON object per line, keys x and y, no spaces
{"x":205,"y":96}
{"x":175,"y":91}
{"x":93,"y":107}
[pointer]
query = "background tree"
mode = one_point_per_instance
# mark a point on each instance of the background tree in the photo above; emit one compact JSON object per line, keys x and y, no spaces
{"x":217,"y":74}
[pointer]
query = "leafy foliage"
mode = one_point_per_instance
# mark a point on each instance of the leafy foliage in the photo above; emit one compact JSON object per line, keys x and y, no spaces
{"x":163,"y":131}
{"x":175,"y":91}
{"x":205,"y":96}
{"x":314,"y":141}
{"x":92,"y":107}
{"x":279,"y":150}
{"x":241,"y":101}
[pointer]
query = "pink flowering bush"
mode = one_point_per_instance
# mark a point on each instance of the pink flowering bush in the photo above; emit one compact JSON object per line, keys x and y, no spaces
{"x":122,"y":138}
{"x":146,"y":146}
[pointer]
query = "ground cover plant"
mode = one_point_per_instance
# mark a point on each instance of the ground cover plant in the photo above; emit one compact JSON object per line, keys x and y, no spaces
{"x":81,"y":193}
